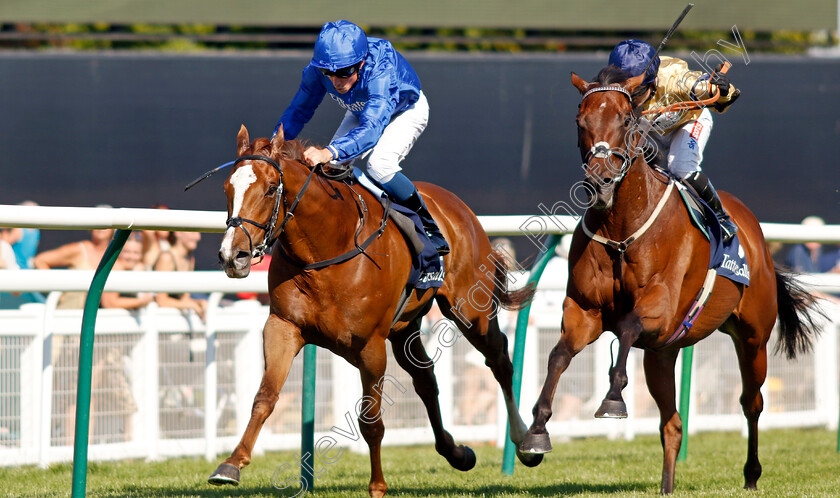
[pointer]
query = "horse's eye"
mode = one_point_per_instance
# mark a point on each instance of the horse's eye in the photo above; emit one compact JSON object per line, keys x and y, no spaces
{"x":627,"y":121}
{"x":272,"y":189}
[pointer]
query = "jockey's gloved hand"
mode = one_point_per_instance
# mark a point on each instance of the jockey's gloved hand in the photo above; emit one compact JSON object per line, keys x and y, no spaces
{"x":720,"y":80}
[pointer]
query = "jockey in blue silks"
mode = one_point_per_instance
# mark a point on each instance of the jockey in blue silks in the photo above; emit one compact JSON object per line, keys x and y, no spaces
{"x":386,"y":111}
{"x":685,"y":133}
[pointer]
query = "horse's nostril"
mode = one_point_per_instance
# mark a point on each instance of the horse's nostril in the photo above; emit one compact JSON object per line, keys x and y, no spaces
{"x":607,"y":181}
{"x":221,"y":257}
{"x":243,"y":255}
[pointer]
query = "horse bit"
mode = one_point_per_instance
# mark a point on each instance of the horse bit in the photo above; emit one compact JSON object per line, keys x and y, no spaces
{"x":270,"y":236}
{"x":603,"y":150}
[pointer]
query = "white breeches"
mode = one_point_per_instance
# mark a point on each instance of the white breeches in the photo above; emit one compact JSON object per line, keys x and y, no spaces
{"x":687,"y":143}
{"x":383,"y":160}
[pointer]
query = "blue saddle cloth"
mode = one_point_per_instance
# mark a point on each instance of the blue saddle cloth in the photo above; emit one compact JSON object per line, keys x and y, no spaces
{"x":427,"y":269}
{"x":728,"y":259}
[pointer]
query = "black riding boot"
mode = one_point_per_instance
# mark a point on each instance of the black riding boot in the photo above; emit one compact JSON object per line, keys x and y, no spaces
{"x":416,"y":204}
{"x":701,"y":184}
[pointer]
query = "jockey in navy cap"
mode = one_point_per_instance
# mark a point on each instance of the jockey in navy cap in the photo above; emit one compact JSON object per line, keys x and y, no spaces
{"x":386,"y":111}
{"x":686,"y":133}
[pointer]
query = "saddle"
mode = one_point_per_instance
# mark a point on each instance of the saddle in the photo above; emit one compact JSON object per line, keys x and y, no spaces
{"x":427,"y":266}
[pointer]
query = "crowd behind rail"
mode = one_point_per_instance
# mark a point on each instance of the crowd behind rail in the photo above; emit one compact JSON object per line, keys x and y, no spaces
{"x":175,"y":251}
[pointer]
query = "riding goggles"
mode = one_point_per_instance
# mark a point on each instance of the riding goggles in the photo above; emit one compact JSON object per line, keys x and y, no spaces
{"x":344,"y":72}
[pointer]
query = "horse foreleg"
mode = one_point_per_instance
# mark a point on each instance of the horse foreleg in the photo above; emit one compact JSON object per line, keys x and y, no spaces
{"x":579,"y":328}
{"x":752,"y":359}
{"x":659,"y":375}
{"x":613,"y":405}
{"x":369,"y":409}
{"x":412,"y":357}
{"x":282,"y":342}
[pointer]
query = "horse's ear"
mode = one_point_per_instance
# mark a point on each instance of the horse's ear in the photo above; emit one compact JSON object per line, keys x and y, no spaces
{"x":277,"y":142}
{"x":582,"y":85}
{"x":243,"y":142}
{"x":633,"y":83}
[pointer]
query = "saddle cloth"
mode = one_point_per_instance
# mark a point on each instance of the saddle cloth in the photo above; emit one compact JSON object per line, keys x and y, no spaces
{"x":727,"y":259}
{"x":427,"y":269}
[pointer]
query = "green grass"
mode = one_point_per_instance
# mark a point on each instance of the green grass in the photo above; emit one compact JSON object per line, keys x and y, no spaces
{"x":797,"y":463}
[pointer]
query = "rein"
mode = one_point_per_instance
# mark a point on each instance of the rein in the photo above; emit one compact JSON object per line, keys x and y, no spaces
{"x":271,"y":235}
{"x":258,"y":251}
{"x":601,"y":150}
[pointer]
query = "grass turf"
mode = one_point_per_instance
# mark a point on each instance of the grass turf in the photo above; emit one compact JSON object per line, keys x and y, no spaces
{"x":797,"y":463}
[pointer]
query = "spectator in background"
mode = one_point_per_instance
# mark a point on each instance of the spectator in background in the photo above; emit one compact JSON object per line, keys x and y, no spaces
{"x":155,"y":242}
{"x":812,"y":257}
{"x":8,"y":237}
{"x":180,"y":257}
{"x":130,"y":259}
{"x":25,"y":250}
{"x":82,"y":255}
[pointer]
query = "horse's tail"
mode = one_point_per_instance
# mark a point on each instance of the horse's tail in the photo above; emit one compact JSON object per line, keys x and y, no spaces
{"x":513,"y":300}
{"x":798,"y":314}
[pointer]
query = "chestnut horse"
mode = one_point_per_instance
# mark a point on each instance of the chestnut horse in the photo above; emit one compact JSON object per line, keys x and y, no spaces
{"x":348,"y":307}
{"x":643,"y":287}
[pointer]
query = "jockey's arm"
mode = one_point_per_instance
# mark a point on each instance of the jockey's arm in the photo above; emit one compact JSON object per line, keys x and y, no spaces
{"x":675,"y":82}
{"x":308,"y":97}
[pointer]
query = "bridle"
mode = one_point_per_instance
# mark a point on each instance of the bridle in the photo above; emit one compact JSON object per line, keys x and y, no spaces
{"x":271,"y":234}
{"x":259,"y":250}
{"x":601,"y":150}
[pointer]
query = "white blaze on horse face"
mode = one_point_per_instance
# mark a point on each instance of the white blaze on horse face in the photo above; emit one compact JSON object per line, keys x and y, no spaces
{"x":241,"y":179}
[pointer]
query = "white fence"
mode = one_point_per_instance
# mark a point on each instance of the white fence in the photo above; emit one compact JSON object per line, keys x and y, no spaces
{"x":167,"y":383}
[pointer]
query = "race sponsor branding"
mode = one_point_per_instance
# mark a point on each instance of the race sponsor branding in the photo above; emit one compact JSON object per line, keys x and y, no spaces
{"x":354,"y":107}
{"x":740,"y":269}
{"x":696,"y":129}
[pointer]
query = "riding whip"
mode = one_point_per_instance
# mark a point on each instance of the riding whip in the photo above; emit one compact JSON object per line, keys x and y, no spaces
{"x":668,"y":34}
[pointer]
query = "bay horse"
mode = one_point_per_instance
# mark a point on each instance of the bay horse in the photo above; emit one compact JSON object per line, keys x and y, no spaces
{"x":349,"y":307}
{"x":642,"y":288}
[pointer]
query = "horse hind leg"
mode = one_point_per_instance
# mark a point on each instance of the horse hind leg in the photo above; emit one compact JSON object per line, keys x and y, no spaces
{"x":752,"y":360}
{"x":659,"y":375}
{"x":411,"y":356}
{"x":493,"y":345}
{"x":282,"y":342}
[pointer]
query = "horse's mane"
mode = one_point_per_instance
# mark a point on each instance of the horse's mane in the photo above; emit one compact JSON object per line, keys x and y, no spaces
{"x":611,"y":75}
{"x":291,"y":149}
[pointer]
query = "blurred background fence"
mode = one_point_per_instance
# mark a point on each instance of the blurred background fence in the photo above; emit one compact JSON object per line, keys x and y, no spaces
{"x":167,"y":383}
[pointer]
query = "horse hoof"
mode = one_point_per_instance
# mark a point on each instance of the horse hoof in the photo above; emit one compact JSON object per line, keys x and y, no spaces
{"x":535,"y":444}
{"x":225,"y":474}
{"x":612,"y":409}
{"x":466,"y":462}
{"x":529,"y":459}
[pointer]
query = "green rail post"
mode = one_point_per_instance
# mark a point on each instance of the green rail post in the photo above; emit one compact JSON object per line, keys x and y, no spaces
{"x":519,"y":347}
{"x":685,"y":398}
{"x":307,"y":433}
{"x":80,"y":445}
